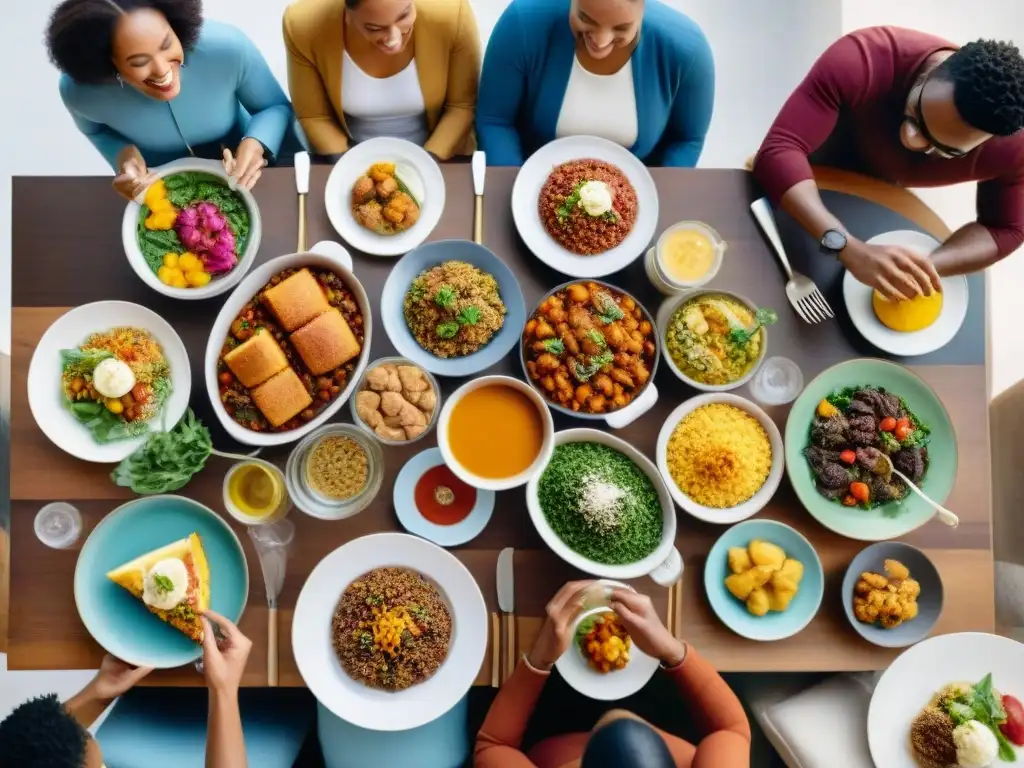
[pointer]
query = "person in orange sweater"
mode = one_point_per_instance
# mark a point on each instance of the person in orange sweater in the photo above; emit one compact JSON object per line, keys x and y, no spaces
{"x":620,"y":738}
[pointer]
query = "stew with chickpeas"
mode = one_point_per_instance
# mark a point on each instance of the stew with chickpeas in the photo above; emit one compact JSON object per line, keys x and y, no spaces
{"x":323,"y":389}
{"x":589,"y":348}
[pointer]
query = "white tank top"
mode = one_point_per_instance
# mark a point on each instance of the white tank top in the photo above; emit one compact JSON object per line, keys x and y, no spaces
{"x":383,"y":106}
{"x":599,"y":105}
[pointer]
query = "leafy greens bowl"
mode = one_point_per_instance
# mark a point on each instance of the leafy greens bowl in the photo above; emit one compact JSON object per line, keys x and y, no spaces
{"x":192,"y":236}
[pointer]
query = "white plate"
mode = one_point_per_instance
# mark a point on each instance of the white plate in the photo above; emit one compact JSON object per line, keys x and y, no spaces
{"x":371,"y":708}
{"x":334,"y":258}
{"x":526,"y":191}
{"x":920,"y":672}
{"x":416,"y":168}
{"x":611,"y":686}
{"x":217,"y":285}
{"x":46,"y":400}
{"x":937,"y":335}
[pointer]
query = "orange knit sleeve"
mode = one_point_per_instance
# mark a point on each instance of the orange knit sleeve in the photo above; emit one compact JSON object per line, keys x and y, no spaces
{"x":498,"y":743}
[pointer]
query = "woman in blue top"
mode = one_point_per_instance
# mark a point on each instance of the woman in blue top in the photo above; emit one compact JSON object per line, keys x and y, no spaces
{"x":129,"y":91}
{"x":633,"y":71}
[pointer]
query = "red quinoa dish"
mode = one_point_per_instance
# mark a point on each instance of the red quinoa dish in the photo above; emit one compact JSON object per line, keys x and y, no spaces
{"x":589,"y":348}
{"x":391,"y":629}
{"x":588,"y":206}
{"x":290,"y":351}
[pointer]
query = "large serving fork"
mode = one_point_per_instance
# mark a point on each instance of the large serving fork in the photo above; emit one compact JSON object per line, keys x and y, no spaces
{"x":803,"y":294}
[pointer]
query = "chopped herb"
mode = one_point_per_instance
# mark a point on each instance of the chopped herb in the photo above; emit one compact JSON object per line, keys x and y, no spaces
{"x":571,"y":203}
{"x":374,"y":600}
{"x":597,"y":362}
{"x":163,"y":583}
{"x":763,"y":316}
{"x":597,"y":337}
{"x":889,"y":443}
{"x":610,"y":311}
{"x":445,"y":297}
{"x":554,"y":346}
{"x":447,"y":330}
{"x":468,"y":316}
{"x":419,"y":613}
{"x":366,"y":641}
{"x":417,"y":291}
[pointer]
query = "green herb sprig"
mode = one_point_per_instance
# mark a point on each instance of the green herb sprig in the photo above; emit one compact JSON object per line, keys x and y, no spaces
{"x":445,"y":297}
{"x":762,"y":317}
{"x":554,"y":346}
{"x":447,"y":330}
{"x":597,"y":362}
{"x":609,"y":311}
{"x":163,"y":583}
{"x":468,"y":316}
{"x":167,"y":460}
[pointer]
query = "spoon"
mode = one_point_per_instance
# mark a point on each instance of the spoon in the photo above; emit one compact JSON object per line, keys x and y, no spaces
{"x":884,"y":467}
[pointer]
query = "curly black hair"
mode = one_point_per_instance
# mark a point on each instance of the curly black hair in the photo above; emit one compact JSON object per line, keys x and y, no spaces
{"x":988,"y":85}
{"x":81,"y":33}
{"x":42,"y":734}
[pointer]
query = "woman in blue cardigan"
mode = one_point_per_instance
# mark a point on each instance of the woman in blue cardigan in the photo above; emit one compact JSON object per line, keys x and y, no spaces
{"x":633,"y":71}
{"x":128,"y":89}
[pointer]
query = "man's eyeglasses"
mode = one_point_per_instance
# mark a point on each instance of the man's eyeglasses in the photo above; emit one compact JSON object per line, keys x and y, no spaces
{"x":934,"y":147}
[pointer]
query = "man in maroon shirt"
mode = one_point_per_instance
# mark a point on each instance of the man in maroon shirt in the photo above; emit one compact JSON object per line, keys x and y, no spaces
{"x":915,"y":110}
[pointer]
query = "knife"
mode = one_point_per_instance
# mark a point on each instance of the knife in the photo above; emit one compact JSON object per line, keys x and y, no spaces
{"x":507,"y":604}
{"x":302,"y":187}
{"x":479,"y":170}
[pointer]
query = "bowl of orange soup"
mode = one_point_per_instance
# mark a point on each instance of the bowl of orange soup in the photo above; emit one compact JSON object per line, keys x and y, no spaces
{"x":495,"y":433}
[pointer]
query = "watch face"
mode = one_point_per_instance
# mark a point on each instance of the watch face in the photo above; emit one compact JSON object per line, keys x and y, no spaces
{"x":833,"y":240}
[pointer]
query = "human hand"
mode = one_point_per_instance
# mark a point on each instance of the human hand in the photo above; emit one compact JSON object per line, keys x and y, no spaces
{"x":247,"y":164}
{"x":133,"y":178}
{"x":115,"y":678}
{"x":645,"y":628}
{"x":223,"y":662}
{"x":556,"y":634}
{"x":896,"y":272}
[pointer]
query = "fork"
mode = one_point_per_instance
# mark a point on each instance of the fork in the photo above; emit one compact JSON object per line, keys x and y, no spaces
{"x":803,"y":294}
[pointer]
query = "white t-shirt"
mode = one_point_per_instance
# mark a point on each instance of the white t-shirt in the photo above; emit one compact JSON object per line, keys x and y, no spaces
{"x":599,"y":105}
{"x":383,"y":106}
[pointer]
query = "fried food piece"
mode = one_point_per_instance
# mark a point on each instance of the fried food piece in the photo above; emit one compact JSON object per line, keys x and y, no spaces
{"x":739,"y":560}
{"x":362,"y":190}
{"x":386,"y":188}
{"x":886,"y":600}
{"x":783,"y":590}
{"x":281,"y":397}
{"x":257,"y":359}
{"x":896,"y":570}
{"x":874,"y":580}
{"x":793,"y":569}
{"x":296,"y":300}
{"x":381,"y":171}
{"x":740,"y":585}
{"x":326,"y":343}
{"x":767,"y":554}
{"x":369,"y":216}
{"x":758,"y":602}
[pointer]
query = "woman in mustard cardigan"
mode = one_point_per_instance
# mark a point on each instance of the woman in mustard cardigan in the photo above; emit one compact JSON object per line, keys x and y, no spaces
{"x":409,"y":69}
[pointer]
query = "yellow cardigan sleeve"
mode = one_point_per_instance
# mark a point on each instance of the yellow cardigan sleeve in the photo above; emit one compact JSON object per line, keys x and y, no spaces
{"x":454,"y":130}
{"x":311,"y":101}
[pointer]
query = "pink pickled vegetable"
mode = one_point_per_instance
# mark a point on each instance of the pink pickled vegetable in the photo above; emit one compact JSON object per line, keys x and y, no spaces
{"x":204,"y":231}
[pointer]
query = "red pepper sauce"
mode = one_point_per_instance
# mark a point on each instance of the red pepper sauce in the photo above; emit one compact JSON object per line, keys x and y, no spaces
{"x":442,"y":498}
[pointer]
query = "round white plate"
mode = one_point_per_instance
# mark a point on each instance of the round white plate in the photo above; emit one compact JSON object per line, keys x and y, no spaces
{"x":416,"y":168}
{"x":415,"y":523}
{"x":611,"y":686}
{"x":526,"y":191}
{"x":937,"y":335}
{"x":46,"y":401}
{"x":921,"y":672}
{"x":370,"y":708}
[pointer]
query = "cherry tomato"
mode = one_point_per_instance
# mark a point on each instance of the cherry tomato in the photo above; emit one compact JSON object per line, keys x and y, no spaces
{"x":849,"y":501}
{"x":847,"y":457}
{"x":860,"y":492}
{"x":902,"y":431}
{"x":888,"y":424}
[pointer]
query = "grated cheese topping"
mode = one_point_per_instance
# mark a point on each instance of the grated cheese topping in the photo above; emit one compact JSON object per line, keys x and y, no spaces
{"x":601,"y":504}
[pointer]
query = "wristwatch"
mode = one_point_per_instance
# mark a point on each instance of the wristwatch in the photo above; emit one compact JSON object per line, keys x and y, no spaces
{"x":833,"y":242}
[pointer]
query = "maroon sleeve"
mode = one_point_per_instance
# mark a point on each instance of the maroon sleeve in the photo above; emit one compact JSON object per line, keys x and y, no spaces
{"x":841,"y":76}
{"x":1000,"y":205}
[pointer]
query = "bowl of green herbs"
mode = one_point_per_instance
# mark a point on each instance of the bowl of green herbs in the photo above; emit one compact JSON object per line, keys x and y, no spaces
{"x":603,"y":507}
{"x":194,"y":234}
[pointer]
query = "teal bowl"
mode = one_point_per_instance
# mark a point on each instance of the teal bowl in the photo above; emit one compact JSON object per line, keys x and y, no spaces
{"x":897,"y":518}
{"x":121,"y":623}
{"x":734,"y":613}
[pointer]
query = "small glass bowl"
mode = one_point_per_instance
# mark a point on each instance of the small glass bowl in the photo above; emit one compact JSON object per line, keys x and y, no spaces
{"x":314,"y":503}
{"x":362,"y":383}
{"x":655,"y":264}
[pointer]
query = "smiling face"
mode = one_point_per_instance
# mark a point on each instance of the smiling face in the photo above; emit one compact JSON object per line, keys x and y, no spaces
{"x":147,"y":54}
{"x":387,"y":24}
{"x":932,"y":124}
{"x":604,"y":26}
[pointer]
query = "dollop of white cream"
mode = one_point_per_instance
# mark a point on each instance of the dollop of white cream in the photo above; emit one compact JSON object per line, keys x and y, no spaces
{"x":976,"y":745}
{"x":113,"y":378}
{"x":154,"y":589}
{"x":595,"y":198}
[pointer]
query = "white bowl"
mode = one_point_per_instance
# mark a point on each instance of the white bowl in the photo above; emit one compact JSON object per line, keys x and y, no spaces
{"x":669,"y":307}
{"x":755,"y":503}
{"x":46,"y":401}
{"x":487,"y":483}
{"x":660,"y":277}
{"x":664,"y":565}
{"x":416,"y":167}
{"x":239,"y":298}
{"x":217,"y":285}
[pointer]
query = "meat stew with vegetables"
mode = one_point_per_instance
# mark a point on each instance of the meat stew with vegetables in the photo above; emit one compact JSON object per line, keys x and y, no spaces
{"x":589,"y":348}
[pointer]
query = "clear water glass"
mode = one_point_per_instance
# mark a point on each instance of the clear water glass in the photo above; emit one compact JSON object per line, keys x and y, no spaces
{"x":58,"y":525}
{"x":778,"y":381}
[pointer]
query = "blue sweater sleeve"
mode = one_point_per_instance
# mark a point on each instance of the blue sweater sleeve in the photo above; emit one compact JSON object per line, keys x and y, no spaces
{"x":263,"y":98}
{"x":108,"y":141}
{"x":692,"y":108}
{"x":502,"y":85}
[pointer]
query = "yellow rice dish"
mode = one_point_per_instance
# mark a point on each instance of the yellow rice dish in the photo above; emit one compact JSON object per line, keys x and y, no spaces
{"x":719,"y":455}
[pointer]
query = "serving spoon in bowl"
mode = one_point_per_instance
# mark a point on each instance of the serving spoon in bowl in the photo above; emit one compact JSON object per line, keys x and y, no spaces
{"x":884,"y":467}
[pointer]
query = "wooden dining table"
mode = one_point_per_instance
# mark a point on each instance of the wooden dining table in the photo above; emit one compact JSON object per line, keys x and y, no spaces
{"x":67,"y":251}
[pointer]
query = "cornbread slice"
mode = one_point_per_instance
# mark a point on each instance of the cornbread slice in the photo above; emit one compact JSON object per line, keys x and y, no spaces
{"x":281,"y":397}
{"x":257,"y":359}
{"x":296,"y":300}
{"x":325,"y":343}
